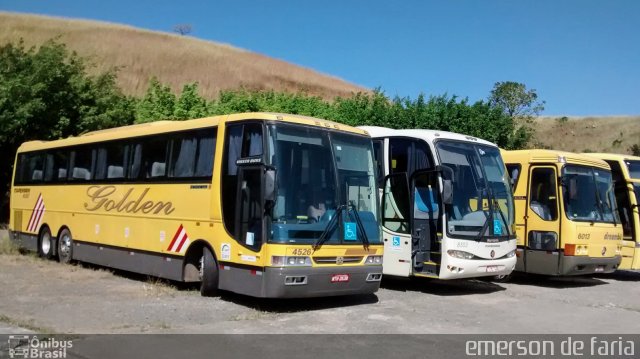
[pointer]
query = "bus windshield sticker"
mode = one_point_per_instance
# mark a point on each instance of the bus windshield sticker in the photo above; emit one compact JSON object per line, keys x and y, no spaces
{"x":497,"y":227}
{"x":249,"y":161}
{"x":250,"y":239}
{"x":225,"y":251}
{"x":350,"y":231}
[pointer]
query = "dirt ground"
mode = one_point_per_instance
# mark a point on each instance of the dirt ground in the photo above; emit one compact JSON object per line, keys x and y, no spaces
{"x":44,"y":296}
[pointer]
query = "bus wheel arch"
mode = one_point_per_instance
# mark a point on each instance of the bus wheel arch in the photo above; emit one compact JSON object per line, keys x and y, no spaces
{"x":65,"y":245}
{"x":45,"y":242}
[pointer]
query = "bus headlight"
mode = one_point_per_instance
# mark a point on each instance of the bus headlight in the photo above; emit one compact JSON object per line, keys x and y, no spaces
{"x":283,"y":261}
{"x":460,"y":254}
{"x":618,"y":250}
{"x":376,"y":260}
{"x":511,"y":254}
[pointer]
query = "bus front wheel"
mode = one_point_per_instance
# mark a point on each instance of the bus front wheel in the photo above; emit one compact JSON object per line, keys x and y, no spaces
{"x":208,"y":274}
{"x":65,"y":246}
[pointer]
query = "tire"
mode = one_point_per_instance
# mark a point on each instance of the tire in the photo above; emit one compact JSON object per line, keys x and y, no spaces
{"x":65,"y":247}
{"x":45,"y":243}
{"x":208,"y":274}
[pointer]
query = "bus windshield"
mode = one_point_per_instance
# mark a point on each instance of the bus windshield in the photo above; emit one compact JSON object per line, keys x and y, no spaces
{"x":316,"y":172}
{"x":482,"y":197}
{"x":588,"y":194}
{"x":634,"y":169}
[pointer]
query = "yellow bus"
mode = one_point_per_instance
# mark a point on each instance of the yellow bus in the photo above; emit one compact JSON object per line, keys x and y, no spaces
{"x":626,"y":179}
{"x":565,"y":218}
{"x":262,"y":204}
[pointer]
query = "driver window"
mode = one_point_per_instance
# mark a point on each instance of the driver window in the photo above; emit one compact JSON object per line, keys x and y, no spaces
{"x":543,"y":197}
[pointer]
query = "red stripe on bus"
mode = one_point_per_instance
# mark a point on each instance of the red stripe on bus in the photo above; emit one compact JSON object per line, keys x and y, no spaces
{"x":175,"y":236}
{"x":33,"y":213}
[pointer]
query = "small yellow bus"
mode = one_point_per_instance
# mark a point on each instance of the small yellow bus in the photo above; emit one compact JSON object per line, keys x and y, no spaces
{"x":626,"y":178}
{"x":262,"y":204}
{"x":565,"y":218}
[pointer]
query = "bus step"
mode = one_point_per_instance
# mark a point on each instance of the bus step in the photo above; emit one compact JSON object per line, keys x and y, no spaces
{"x":430,"y":268}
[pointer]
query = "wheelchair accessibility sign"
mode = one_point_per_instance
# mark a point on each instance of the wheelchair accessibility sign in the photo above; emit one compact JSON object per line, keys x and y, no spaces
{"x":395,"y":243}
{"x":497,"y":227}
{"x":350,"y":233}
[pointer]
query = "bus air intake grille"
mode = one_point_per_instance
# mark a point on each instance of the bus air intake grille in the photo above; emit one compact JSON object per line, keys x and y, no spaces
{"x":337,"y":260}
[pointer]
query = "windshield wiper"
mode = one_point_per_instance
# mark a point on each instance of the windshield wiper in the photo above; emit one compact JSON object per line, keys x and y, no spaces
{"x":486,"y":220}
{"x":329,"y":228}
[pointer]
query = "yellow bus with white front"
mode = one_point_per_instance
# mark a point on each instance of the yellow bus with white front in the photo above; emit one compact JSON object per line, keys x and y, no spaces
{"x":447,"y":206}
{"x":626,"y":179}
{"x":565,"y":218}
{"x":262,"y":204}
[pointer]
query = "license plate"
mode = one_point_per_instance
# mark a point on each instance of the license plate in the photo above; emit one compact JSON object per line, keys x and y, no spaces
{"x":491,"y":269}
{"x":339,"y":278}
{"x":599,"y":269}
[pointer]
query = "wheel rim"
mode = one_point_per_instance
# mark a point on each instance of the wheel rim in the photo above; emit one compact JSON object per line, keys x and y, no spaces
{"x":45,"y":244}
{"x":65,"y":246}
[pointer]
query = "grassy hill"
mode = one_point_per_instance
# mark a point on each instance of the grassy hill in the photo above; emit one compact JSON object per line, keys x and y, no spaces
{"x":589,"y":134}
{"x":174,"y":59}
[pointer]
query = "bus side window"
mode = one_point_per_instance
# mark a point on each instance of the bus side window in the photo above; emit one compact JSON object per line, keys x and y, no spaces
{"x":57,"y":166}
{"x":513,"y":169}
{"x":543,"y":198}
{"x":81,"y":164}
{"x":30,"y":168}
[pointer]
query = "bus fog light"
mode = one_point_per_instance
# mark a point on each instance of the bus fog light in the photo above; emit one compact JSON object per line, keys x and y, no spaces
{"x":460,"y":254}
{"x":283,"y":261}
{"x":277,"y":260}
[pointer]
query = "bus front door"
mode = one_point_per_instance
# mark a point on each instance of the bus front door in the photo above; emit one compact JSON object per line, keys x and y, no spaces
{"x":424,"y":230}
{"x":542,"y":241}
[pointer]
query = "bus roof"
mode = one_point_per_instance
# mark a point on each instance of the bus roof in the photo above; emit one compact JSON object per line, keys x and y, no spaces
{"x":150,"y":128}
{"x":552,"y":156}
{"x":427,"y":135}
{"x":613,"y":156}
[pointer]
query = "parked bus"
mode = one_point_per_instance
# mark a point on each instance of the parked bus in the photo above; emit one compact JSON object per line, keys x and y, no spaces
{"x":267,"y":205}
{"x":447,"y":206}
{"x":626,"y":180}
{"x":565,"y":217}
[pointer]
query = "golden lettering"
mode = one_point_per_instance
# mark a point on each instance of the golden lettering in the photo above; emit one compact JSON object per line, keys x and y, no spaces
{"x":101,"y":197}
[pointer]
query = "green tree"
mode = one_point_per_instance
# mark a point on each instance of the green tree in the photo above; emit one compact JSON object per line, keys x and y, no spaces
{"x":45,"y":94}
{"x":190,"y":104}
{"x":158,"y":103}
{"x":519,"y":103}
{"x":516,"y":100}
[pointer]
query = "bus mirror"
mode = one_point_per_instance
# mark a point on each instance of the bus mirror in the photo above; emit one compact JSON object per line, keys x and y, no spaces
{"x":270,"y":185}
{"x":447,"y":192}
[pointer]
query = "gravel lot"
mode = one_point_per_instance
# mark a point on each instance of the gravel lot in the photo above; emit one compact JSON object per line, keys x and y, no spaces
{"x":44,"y":296}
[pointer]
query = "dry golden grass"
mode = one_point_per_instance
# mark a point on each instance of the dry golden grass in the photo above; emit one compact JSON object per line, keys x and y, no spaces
{"x":613,"y":134}
{"x":174,"y":59}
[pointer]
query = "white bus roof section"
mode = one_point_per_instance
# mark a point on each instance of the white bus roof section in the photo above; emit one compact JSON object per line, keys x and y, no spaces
{"x":427,"y":135}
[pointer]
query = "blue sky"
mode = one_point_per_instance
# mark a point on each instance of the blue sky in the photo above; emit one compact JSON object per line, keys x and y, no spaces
{"x":582,"y":56}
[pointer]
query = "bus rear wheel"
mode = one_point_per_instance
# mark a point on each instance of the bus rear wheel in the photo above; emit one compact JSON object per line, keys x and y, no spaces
{"x":45,"y":243}
{"x":65,"y":246}
{"x":208,"y":274}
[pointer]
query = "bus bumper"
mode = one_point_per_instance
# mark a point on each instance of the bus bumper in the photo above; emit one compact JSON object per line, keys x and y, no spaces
{"x":319,"y":282}
{"x":577,"y":265}
{"x":456,"y":268}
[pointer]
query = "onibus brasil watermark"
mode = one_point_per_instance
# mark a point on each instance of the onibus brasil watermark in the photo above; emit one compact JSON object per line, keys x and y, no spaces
{"x":31,"y":347}
{"x":570,"y":346}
